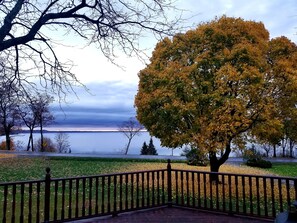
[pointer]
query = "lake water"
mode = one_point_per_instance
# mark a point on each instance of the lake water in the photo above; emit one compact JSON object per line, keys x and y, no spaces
{"x":99,"y":142}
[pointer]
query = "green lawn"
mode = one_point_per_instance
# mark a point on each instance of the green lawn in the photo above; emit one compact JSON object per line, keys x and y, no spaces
{"x":19,"y":169}
{"x":284,"y":169}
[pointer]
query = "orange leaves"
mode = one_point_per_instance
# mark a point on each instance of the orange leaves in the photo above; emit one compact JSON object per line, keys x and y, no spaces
{"x":211,"y":84}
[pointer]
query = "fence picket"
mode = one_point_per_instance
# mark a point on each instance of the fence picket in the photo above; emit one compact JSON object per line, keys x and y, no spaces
{"x":110,"y":194}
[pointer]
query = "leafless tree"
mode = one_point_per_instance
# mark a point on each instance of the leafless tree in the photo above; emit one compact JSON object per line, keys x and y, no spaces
{"x":46,"y":146}
{"x":27,"y":113}
{"x":267,"y":148}
{"x":29,"y":29}
{"x":34,"y":111}
{"x":43,"y":114}
{"x":130,"y":129}
{"x":62,"y":142}
{"x":30,"y":120}
{"x":9,"y":116}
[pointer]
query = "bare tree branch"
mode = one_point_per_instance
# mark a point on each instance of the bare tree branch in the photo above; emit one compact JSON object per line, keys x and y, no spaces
{"x":130,"y":129}
{"x":26,"y":34}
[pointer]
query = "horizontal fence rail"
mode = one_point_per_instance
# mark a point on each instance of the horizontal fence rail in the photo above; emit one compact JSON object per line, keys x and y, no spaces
{"x":250,"y":195}
{"x":66,"y":199}
{"x":22,"y":200}
{"x":54,"y":200}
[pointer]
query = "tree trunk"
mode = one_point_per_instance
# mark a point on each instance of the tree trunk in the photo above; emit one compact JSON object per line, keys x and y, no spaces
{"x":6,"y":129}
{"x":41,"y":136}
{"x":215,"y":163}
{"x":291,"y":146}
{"x":7,"y":138}
{"x":30,"y":142}
{"x":214,"y":167}
{"x":284,"y":145}
{"x":274,"y":151}
{"x":128,"y":145}
{"x":290,"y":152}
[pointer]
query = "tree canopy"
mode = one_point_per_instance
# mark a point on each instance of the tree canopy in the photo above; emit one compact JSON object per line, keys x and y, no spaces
{"x":28,"y":30}
{"x":211,"y":85}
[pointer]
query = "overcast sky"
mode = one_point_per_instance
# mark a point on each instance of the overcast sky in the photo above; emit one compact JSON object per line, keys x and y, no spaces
{"x":112,"y":89}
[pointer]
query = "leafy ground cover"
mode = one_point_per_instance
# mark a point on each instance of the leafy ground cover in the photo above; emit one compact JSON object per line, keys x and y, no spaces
{"x":19,"y":169}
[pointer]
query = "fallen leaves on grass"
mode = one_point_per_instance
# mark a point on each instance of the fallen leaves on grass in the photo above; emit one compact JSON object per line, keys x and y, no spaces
{"x":20,"y":168}
{"x":226,"y":168}
{"x":4,"y":155}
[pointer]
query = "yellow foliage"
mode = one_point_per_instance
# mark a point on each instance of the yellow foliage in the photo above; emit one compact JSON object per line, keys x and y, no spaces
{"x":210,"y":85}
{"x":3,"y":145}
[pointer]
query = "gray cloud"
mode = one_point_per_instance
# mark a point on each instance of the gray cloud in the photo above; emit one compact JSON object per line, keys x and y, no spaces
{"x":106,"y":104}
{"x":112,"y":102}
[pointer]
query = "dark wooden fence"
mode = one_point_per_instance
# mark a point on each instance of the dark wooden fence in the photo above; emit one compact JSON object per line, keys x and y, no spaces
{"x":57,"y":200}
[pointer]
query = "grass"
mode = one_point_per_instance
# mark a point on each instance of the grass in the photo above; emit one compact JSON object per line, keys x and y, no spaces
{"x":19,"y":169}
{"x":284,"y":169}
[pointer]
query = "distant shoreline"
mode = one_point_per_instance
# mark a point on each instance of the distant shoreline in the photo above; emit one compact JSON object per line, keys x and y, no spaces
{"x":72,"y":131}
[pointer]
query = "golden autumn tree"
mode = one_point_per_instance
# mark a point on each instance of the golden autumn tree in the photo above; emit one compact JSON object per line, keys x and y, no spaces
{"x":211,"y":85}
{"x":282,"y":56}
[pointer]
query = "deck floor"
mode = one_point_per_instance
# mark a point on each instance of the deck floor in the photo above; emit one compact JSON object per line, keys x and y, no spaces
{"x":172,"y":215}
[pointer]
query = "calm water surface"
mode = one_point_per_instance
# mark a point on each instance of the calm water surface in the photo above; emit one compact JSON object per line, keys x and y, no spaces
{"x":99,"y":142}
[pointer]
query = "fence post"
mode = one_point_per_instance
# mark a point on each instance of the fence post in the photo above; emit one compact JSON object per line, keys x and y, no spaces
{"x":169,"y":183}
{"x":47,"y":194}
{"x":295,"y":187}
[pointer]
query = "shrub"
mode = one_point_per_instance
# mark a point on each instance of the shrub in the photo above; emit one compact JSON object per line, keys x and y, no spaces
{"x":48,"y":145}
{"x":148,"y":150}
{"x":3,"y":145}
{"x":259,"y":163}
{"x":62,"y":142}
{"x":151,"y":148}
{"x":254,"y":158}
{"x":251,"y":153}
{"x":144,"y":149}
{"x":195,"y":157}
